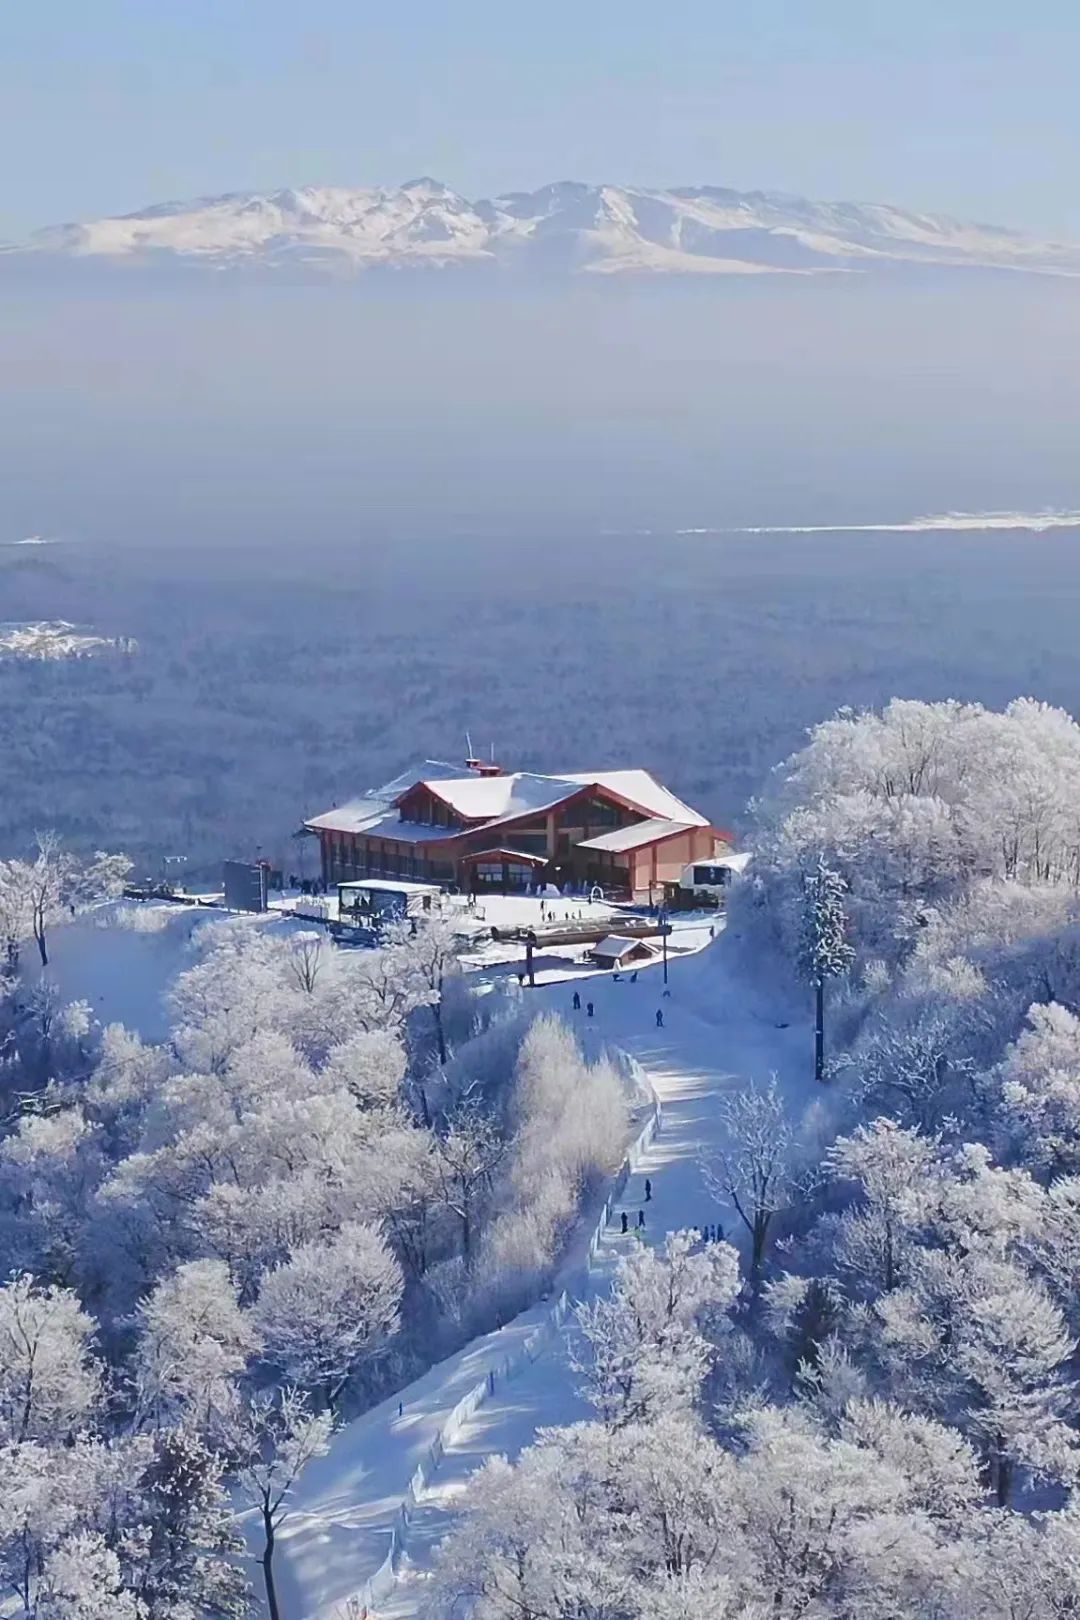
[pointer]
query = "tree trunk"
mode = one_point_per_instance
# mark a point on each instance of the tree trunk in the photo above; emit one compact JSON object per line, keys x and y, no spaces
{"x":758,"y":1244}
{"x":39,"y":935}
{"x":1002,"y":1473}
{"x":436,"y":1008}
{"x":268,"y":1568}
{"x":819,"y":1031}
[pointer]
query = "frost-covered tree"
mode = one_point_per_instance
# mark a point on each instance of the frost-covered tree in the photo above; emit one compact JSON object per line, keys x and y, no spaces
{"x":598,"y":1522}
{"x":824,"y":950}
{"x":83,"y":1580}
{"x":371,"y":1065}
{"x":274,"y":1441}
{"x":654,"y":1521}
{"x":1040,"y":1088}
{"x":331,"y":1308}
{"x":646,"y":1351}
{"x":194,"y":1342}
{"x":50,"y":1381}
{"x":14,"y":911}
{"x":308,"y":954}
{"x":49,"y":1166}
{"x":420,"y":956}
{"x":54,"y":881}
{"x":467,"y":1155}
{"x":239,"y":986}
{"x":188,"y":1564}
{"x":976,"y":1338}
{"x":568,"y":1129}
{"x":755,"y":1169}
{"x":889,"y":1166}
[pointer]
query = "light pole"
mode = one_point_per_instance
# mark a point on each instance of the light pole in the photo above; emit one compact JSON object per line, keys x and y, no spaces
{"x":665,"y":930}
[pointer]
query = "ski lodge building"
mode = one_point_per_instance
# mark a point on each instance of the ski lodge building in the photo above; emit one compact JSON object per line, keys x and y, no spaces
{"x":485,"y":829}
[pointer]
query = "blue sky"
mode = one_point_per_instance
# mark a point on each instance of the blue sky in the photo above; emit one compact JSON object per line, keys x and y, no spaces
{"x":968,"y":106}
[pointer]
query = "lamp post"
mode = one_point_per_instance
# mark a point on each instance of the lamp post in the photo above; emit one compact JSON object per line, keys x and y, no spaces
{"x":665,"y":930}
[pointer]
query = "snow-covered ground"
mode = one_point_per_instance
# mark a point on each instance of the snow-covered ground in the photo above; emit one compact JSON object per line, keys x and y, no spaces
{"x":121,"y":956}
{"x":716,"y":1036}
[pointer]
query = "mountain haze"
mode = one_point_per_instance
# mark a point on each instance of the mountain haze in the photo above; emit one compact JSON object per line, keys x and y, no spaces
{"x":568,"y":227}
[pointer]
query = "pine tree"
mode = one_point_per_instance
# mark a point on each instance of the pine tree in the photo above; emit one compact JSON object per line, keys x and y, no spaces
{"x":824,"y":951}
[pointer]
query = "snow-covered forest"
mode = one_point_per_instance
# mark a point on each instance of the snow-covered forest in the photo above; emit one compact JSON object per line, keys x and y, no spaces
{"x":271,"y":684}
{"x":873,"y":1411}
{"x":218,"y":1248}
{"x":859,"y":1401}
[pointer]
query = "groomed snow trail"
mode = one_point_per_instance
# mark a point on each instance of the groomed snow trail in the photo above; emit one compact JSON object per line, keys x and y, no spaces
{"x":717,"y":1036}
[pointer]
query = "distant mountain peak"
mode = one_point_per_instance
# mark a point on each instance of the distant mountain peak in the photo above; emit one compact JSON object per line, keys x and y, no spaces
{"x":569,"y":226}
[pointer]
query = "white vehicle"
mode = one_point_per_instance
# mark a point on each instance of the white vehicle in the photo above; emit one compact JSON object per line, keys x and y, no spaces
{"x":713,"y":877}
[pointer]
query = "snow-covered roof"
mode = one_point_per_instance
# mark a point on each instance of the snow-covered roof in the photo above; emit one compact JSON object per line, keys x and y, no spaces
{"x":428,"y":770}
{"x":392,"y":886}
{"x":520,"y":793}
{"x":617,"y":946}
{"x":487,"y":798}
{"x":503,"y":853}
{"x":642,"y":788}
{"x":497,"y":799}
{"x":368,"y":808}
{"x":356,"y":816}
{"x":642,"y":833}
{"x":379,"y":821}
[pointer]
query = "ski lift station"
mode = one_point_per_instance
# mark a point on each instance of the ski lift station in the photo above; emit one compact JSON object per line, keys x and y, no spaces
{"x":379,"y":900}
{"x":711,"y":879}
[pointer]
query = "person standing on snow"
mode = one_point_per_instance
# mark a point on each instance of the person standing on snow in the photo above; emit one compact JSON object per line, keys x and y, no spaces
{"x":577,"y":1001}
{"x":659,"y":1018}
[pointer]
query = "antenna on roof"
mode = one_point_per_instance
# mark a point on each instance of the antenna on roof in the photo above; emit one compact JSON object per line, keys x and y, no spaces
{"x":468,"y":746}
{"x":493,"y":752}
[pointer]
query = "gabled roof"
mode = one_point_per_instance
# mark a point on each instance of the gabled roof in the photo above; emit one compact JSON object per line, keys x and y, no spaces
{"x":363,"y":813}
{"x":503,"y":854}
{"x":640,"y":835}
{"x":497,"y":801}
{"x":496,"y":798}
{"x":379,"y":821}
{"x":522,"y":793}
{"x":640,"y":788}
{"x":617,"y":946}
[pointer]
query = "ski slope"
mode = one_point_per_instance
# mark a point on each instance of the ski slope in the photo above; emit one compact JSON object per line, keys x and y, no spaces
{"x":717,"y":1036}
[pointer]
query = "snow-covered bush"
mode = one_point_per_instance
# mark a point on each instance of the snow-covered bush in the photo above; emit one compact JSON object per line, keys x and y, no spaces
{"x":567,"y":1132}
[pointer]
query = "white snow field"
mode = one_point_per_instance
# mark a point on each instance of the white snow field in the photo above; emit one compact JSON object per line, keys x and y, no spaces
{"x":121,"y":956}
{"x":334,"y":1545}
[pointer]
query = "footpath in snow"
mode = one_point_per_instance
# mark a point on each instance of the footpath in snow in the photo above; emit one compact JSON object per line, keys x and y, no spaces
{"x":717,"y":1036}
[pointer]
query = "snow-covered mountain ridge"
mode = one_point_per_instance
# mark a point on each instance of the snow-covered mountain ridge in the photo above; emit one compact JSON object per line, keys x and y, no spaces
{"x":566,"y":227}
